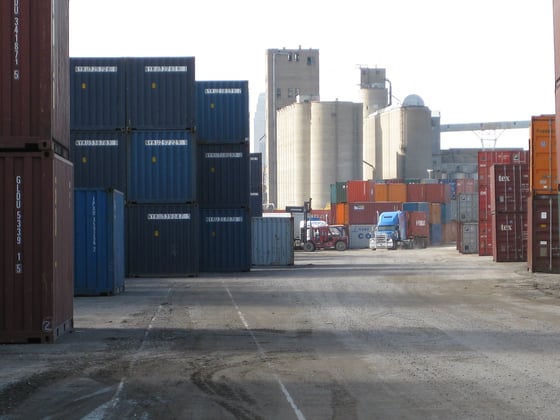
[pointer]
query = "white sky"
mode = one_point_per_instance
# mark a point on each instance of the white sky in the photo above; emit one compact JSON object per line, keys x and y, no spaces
{"x":471,"y":61}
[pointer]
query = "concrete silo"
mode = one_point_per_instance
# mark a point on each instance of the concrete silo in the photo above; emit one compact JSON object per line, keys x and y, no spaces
{"x":406,"y":140}
{"x":335,"y":148}
{"x":293,"y":153}
{"x":373,"y":90}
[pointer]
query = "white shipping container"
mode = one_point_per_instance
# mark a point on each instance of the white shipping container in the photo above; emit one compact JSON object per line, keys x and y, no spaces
{"x":360,"y":235}
{"x":272,"y":240}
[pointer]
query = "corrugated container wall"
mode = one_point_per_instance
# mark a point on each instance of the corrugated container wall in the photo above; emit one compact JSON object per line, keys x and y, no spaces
{"x":542,"y":145}
{"x":467,"y":208}
{"x":360,"y":191}
{"x":99,"y":242}
{"x":161,"y":167}
{"x":34,"y":73}
{"x":486,"y":237}
{"x":99,"y":159}
{"x":468,"y":238}
{"x":556,"y":34}
{"x":543,"y":250}
{"x":510,"y":231}
{"x":222,"y":111}
{"x":161,"y":240}
{"x":36,"y":247}
{"x":272,"y":241}
{"x":97,"y":94}
{"x":509,"y":188}
{"x":362,"y":213}
{"x":225,"y":244}
{"x":360,"y":236}
{"x":161,"y":93}
{"x":223,"y":175}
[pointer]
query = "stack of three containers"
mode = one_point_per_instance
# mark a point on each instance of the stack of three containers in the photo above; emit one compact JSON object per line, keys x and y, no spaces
{"x":36,"y":179}
{"x":223,"y":175}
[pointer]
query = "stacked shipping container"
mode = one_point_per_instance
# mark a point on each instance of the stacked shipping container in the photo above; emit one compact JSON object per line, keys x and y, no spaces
{"x":223,"y":180}
{"x":36,"y":179}
{"x":543,"y":253}
{"x":487,"y":158}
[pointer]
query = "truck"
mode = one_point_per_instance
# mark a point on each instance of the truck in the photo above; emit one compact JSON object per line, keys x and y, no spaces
{"x":404,"y":229}
{"x":326,"y":237}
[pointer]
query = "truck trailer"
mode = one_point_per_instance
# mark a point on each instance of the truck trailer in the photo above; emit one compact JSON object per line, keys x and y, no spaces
{"x":400,"y":229}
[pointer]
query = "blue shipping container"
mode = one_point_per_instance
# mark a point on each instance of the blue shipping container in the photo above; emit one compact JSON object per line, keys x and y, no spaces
{"x":161,"y":167}
{"x":222,"y":111}
{"x":99,"y":159}
{"x":97,"y":94}
{"x":256,"y":204}
{"x":223,"y":175}
{"x":417,"y":206}
{"x":99,"y":242}
{"x":256,"y":171}
{"x":161,"y":93}
{"x":162,"y":240}
{"x":225,"y":244}
{"x":436,"y":234}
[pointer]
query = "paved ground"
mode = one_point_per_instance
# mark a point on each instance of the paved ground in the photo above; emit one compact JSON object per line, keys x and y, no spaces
{"x":360,"y":334}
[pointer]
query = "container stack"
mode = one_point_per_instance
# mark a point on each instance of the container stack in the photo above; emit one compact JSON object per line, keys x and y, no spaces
{"x":223,"y":180}
{"x":543,"y":228}
{"x":509,"y":192}
{"x":486,"y":159}
{"x":256,"y":183}
{"x":98,"y":152}
{"x":162,"y":213}
{"x":36,"y":177}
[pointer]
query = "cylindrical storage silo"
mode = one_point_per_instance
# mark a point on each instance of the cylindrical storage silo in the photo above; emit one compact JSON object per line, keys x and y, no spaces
{"x":417,"y":141}
{"x":336,"y":129}
{"x":293,"y":155}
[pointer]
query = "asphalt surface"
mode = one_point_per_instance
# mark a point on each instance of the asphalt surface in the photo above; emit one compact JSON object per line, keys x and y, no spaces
{"x":359,"y":334}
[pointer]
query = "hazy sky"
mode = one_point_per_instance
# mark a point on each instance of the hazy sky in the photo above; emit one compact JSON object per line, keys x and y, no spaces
{"x":471,"y":61}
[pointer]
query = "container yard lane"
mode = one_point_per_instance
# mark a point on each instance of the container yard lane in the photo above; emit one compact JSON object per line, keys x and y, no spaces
{"x":360,"y":334}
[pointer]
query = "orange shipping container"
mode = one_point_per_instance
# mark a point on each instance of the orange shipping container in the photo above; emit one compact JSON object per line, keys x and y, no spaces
{"x":542,"y":149}
{"x":435,"y":213}
{"x":438,"y":193}
{"x":396,"y":192}
{"x":381,"y":192}
{"x":416,"y":193}
{"x":340,"y":214}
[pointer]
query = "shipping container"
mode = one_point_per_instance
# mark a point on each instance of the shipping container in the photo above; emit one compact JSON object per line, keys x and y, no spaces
{"x":418,"y":224}
{"x":161,"y":167}
{"x":438,"y":193}
{"x":272,"y":241}
{"x":486,"y":237}
{"x":339,"y":192}
{"x":255,"y":203}
{"x":97,"y":93}
{"x":99,"y":263}
{"x":509,"y":188}
{"x":486,"y":158}
{"x":381,"y":191}
{"x":162,"y":240}
{"x":360,"y":236}
{"x":510,"y":231}
{"x":542,"y":148}
{"x":256,"y":171}
{"x":34,"y":75}
{"x":225,"y":244}
{"x":359,"y":191}
{"x":223,"y":175}
{"x":467,"y":241}
{"x":449,"y":232}
{"x":423,"y":206}
{"x":435,"y":213}
{"x":396,"y":192}
{"x":416,"y":192}
{"x":436,"y":234}
{"x":484,"y":202}
{"x":361,"y":213}
{"x":466,"y":185}
{"x":222,"y":111}
{"x":160,"y":93}
{"x":36,"y":247}
{"x":99,"y":159}
{"x":543,"y":238}
{"x":467,"y":208}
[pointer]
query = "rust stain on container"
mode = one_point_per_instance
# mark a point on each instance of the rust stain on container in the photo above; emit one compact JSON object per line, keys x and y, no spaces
{"x":36,"y":247}
{"x":34,"y":74}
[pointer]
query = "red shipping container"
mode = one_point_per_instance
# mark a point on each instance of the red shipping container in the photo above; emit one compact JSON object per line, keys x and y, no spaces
{"x":510,"y":231}
{"x":486,"y":158}
{"x":362,"y":213}
{"x":543,"y":250}
{"x":416,"y":193}
{"x":359,"y":191}
{"x":34,"y":74}
{"x":438,"y":193}
{"x":485,"y":238}
{"x":509,"y":188}
{"x":418,"y":224}
{"x":36,"y":247}
{"x":484,"y":207}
